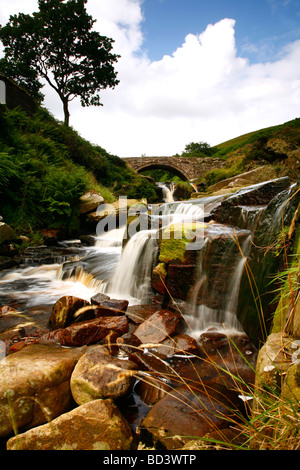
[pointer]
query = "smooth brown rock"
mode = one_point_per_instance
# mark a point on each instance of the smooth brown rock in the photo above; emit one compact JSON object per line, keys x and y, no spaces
{"x":86,"y":333}
{"x":34,"y":385}
{"x":97,"y":425}
{"x":158,"y":326}
{"x":180,"y":279}
{"x":139,"y":313}
{"x":178,"y":344}
{"x":63,"y":311}
{"x":111,"y":307}
{"x":185,"y":414}
{"x":100,"y":375}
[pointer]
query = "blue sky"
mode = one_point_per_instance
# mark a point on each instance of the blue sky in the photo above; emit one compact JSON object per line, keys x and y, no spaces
{"x":190,"y":71}
{"x":262,"y":26}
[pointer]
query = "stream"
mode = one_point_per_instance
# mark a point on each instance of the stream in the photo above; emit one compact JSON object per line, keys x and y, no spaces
{"x":124,"y":271}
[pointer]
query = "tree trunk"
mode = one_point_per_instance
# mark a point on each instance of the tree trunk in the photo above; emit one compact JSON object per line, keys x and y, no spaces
{"x":66,"y":112}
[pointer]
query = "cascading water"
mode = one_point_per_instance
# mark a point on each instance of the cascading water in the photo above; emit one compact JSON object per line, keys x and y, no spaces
{"x":132,"y":277}
{"x":126,"y":272}
{"x":167,"y":191}
{"x":214,"y":298}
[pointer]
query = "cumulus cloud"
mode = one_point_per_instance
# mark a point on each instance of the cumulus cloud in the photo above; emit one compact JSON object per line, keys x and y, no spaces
{"x":202,"y":91}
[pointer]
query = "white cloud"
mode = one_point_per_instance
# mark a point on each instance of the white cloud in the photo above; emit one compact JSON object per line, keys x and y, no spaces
{"x":203,"y":91}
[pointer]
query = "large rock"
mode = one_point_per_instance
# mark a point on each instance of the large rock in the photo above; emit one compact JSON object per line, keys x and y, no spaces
{"x":273,"y":361}
{"x":35,"y":386}
{"x":89,"y":202}
{"x":86,"y":332}
{"x":64,"y":309}
{"x":158,"y":326}
{"x":97,"y":425}
{"x":100,"y":375}
{"x":229,"y":211}
{"x":188,"y":413}
{"x":139,"y":313}
{"x":6,"y":232}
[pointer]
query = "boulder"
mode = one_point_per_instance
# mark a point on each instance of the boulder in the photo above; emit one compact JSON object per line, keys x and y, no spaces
{"x":6,"y":232}
{"x":158,"y":278}
{"x":35,"y":386}
{"x":97,"y":425}
{"x":177,"y":345}
{"x":100,"y":375}
{"x":87,"y":332}
{"x":229,"y":211}
{"x":63,"y":311}
{"x":139,"y":313}
{"x":273,"y":361}
{"x":158,"y":326}
{"x":89,"y":202}
{"x":111,"y":307}
{"x":178,"y":242}
{"x":187,"y":413}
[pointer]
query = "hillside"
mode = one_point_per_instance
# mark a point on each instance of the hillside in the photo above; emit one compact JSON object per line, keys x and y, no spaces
{"x":45,"y":167}
{"x":278,"y":146}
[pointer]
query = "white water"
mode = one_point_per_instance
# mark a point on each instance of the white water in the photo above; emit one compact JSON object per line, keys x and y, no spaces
{"x":105,"y":268}
{"x":132,"y":278}
{"x":167,"y":192}
{"x":199,"y":316}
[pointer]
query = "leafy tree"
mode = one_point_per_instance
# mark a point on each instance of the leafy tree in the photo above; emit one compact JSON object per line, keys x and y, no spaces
{"x":57,"y":44}
{"x":198,"y":149}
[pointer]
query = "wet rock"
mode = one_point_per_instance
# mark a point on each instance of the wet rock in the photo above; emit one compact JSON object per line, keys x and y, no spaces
{"x":99,"y":298}
{"x":151,"y":389}
{"x":158,"y":278}
{"x":158,"y":326}
{"x":151,"y":363}
{"x":111,"y":307}
{"x":180,"y":279}
{"x":86,"y":333}
{"x":177,"y":243}
{"x":63,"y":311}
{"x":139,"y":313}
{"x":97,"y":425}
{"x":256,"y":195}
{"x":187,"y":413}
{"x":128,"y":343}
{"x":35,"y":386}
{"x":100,"y":375}
{"x":179,"y":344}
{"x":7,"y":309}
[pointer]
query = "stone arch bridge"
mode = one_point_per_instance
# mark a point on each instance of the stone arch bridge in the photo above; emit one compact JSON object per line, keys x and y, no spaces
{"x":187,"y":169}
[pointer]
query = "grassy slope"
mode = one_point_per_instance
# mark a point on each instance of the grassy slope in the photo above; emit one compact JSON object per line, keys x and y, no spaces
{"x":45,"y":167}
{"x":278,"y":146}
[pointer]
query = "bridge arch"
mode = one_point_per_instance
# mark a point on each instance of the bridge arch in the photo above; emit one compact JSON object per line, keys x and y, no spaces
{"x":161,"y":166}
{"x":181,"y":167}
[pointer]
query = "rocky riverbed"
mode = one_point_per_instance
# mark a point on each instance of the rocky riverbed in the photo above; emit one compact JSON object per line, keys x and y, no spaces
{"x":119,"y":378}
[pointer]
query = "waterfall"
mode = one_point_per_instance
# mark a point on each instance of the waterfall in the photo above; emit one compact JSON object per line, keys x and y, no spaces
{"x":132,"y":278}
{"x":167,"y":192}
{"x":214,"y":297}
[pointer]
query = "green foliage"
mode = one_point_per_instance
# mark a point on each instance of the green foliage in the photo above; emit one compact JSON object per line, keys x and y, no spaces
{"x":46,"y":166}
{"x":161,"y":175}
{"x":57,"y":44}
{"x":199,"y":149}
